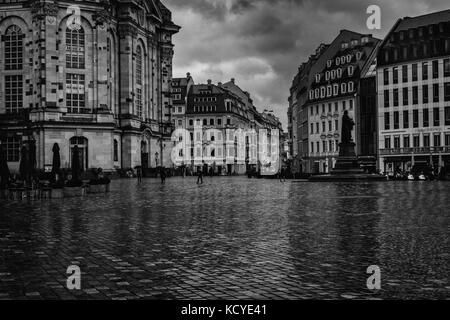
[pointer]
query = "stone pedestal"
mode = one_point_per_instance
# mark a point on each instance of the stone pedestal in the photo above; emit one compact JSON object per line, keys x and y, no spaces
{"x":347,"y":162}
{"x":347,"y":168}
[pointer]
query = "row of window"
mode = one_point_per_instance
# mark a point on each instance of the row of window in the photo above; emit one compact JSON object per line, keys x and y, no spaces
{"x":204,"y":122}
{"x":436,"y":91}
{"x":326,"y":127}
{"x":330,"y":107}
{"x":395,"y":142}
{"x":427,"y":121}
{"x":331,"y":90}
{"x":333,"y":74}
{"x":416,"y":50}
{"x":205,"y":108}
{"x":415,"y":72}
{"x":325,"y":146}
{"x":205,"y":99}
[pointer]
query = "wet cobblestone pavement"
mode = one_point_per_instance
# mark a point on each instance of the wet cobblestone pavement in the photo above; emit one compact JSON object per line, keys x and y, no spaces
{"x":232,"y":238}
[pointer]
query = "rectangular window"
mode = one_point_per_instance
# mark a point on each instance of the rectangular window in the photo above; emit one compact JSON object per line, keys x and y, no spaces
{"x":386,"y":76}
{"x":435,"y":69}
{"x":414,"y":72}
{"x":425,"y":95}
{"x":396,"y":98}
{"x":13,"y":149}
{"x":75,"y":93}
{"x":447,"y":116}
{"x":312,"y":128}
{"x":425,"y":71}
{"x":405,"y":74}
{"x":13,"y":93}
{"x":75,"y":49}
{"x":426,"y":140}
{"x":405,"y":96}
{"x":396,"y":142}
{"x":446,"y":67}
{"x":447,"y":91}
{"x":219,"y":122}
{"x":436,"y":92}
{"x":447,"y":140}
{"x":395,"y":75}
{"x":426,"y":118}
{"x":415,"y":118}
{"x":211,"y":122}
{"x":416,"y":141}
{"x":312,"y":147}
{"x":387,"y":142}
{"x":415,"y":95}
{"x":406,"y":119}
{"x":406,"y":143}
{"x":387,"y":124}
{"x":437,"y":140}
{"x":396,"y":120}
{"x":436,"y":120}
{"x":386,"y":98}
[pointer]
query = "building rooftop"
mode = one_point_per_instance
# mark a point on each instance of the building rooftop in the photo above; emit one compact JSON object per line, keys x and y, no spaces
{"x":425,"y":20}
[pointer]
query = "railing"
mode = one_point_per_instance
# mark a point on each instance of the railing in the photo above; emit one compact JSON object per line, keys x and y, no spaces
{"x":419,"y":150}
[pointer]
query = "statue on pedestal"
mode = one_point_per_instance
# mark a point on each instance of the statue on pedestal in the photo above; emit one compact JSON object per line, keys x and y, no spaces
{"x":347,"y":128}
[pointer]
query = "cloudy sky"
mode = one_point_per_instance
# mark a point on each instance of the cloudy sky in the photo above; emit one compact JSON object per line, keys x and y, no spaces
{"x":261,"y":43}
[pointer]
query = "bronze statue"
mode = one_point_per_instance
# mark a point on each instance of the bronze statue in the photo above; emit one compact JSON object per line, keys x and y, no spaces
{"x":347,"y":128}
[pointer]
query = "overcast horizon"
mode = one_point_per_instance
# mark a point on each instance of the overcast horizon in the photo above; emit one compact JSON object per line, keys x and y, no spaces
{"x":261,"y":43}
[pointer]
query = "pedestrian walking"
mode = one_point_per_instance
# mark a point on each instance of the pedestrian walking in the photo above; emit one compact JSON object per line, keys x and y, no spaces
{"x":163,"y":175}
{"x":139,"y":173}
{"x":200,"y":176}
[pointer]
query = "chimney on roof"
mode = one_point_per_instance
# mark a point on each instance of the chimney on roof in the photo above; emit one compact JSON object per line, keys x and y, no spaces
{"x":188,"y":75}
{"x":220,"y":84}
{"x":209,"y":81}
{"x":232,"y":80}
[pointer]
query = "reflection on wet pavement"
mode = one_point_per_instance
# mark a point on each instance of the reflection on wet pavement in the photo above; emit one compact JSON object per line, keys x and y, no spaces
{"x":232,"y":238}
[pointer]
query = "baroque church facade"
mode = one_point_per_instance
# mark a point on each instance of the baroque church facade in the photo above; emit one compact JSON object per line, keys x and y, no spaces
{"x":94,"y":74}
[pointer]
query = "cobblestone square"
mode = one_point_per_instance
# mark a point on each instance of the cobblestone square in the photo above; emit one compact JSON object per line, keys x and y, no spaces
{"x":231,"y":238}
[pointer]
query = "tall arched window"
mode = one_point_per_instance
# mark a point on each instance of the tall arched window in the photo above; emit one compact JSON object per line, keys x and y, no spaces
{"x":139,"y":67}
{"x":75,"y":48}
{"x":13,"y":48}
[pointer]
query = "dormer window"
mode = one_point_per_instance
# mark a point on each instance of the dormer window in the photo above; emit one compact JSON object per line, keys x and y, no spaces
{"x":364,"y":40}
{"x":335,"y":89}
{"x":311,"y":95}
{"x":327,"y":75}
{"x":354,"y":43}
{"x":351,"y":70}
{"x":333,"y":74}
{"x":317,"y":93}
{"x":358,"y":56}
{"x":329,"y":90}
{"x":329,"y":63}
{"x":338,"y":61}
{"x":344,"y":45}
{"x":318,"y":78}
{"x":351,"y":86}
{"x":339,"y":73}
{"x":322,"y":92}
{"x":349,"y":58}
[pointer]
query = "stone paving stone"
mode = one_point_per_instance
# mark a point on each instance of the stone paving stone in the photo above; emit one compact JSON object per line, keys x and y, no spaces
{"x":237,"y":238}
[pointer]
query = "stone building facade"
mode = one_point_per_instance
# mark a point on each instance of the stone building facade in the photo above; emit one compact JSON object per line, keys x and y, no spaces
{"x":205,"y":132}
{"x":413,"y":82}
{"x":90,"y":73}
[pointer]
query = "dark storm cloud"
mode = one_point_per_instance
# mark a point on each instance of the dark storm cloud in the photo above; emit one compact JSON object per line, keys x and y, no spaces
{"x":261,"y":43}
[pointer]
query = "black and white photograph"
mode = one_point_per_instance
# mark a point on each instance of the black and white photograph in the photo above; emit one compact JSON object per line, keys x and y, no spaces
{"x":236,"y":152}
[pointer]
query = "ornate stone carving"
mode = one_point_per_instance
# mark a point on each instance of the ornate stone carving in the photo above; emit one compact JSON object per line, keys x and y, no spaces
{"x":40,"y":10}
